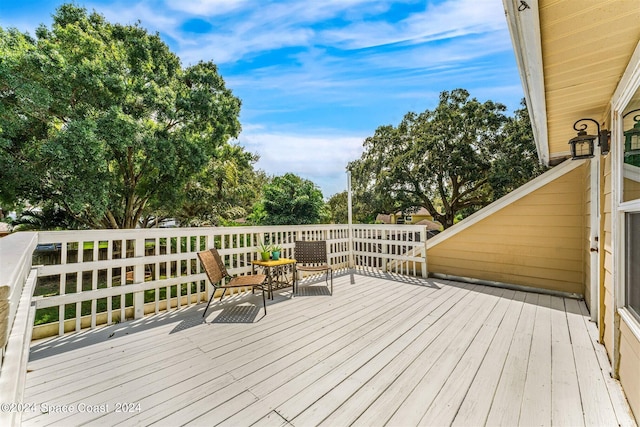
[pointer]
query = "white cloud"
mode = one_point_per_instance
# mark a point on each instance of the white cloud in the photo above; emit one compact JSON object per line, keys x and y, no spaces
{"x":243,"y":28}
{"x":321,"y":158}
{"x":206,"y":7}
{"x":321,"y":78}
{"x":151,"y":18}
{"x":453,"y":18}
{"x":224,"y":47}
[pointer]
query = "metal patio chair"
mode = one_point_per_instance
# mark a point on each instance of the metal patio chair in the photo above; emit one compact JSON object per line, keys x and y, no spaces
{"x":312,"y":256}
{"x":217,"y":273}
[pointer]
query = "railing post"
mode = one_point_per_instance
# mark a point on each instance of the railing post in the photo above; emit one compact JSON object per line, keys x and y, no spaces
{"x":350,"y":218}
{"x":138,"y":277}
{"x":384,"y":249}
{"x":423,"y":239}
{"x":211,"y":243}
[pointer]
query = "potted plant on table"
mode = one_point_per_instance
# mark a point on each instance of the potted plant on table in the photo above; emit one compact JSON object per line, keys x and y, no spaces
{"x":265,"y":251}
{"x":275,"y":252}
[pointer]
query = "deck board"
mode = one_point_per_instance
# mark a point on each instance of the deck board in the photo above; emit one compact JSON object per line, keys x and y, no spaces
{"x":591,"y":381}
{"x":455,"y":389}
{"x":474,"y":409}
{"x":566,"y":406}
{"x":505,"y":408}
{"x":382,"y":350}
{"x":431,"y":381}
{"x":536,"y":398}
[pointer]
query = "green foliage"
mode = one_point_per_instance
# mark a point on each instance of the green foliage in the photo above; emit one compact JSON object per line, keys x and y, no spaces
{"x":516,"y":162}
{"x":337,"y":205}
{"x":276,"y":248}
{"x":102,"y":120}
{"x":225,"y":190}
{"x":338,"y":209}
{"x":289,"y":200}
{"x":263,"y":247}
{"x":49,"y":217}
{"x":453,"y":160}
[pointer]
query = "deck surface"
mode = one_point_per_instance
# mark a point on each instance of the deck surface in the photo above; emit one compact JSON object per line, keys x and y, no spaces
{"x":383,"y":350}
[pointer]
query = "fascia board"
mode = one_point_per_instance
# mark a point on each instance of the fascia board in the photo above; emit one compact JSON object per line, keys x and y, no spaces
{"x":524,"y":26}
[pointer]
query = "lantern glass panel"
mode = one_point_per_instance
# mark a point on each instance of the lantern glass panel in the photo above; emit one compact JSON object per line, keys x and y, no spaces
{"x":632,"y":142}
{"x":583,"y":149}
{"x":582,"y":146}
{"x":631,"y":167}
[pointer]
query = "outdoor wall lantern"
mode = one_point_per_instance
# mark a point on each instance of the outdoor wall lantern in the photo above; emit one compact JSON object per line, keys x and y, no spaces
{"x":632,"y":136}
{"x":582,"y":145}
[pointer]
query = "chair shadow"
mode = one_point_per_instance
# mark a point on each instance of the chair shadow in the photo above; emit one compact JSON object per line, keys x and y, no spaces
{"x":238,"y":314}
{"x":187,"y":323}
{"x":313,"y":291}
{"x":412,"y":280}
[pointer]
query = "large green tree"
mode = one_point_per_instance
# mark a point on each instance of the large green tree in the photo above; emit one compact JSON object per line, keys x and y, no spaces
{"x":225,"y":190}
{"x":451,"y":160}
{"x":102,"y":120}
{"x":290,"y":200}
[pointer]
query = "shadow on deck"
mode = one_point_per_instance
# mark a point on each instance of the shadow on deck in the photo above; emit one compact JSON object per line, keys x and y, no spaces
{"x":383,"y":349}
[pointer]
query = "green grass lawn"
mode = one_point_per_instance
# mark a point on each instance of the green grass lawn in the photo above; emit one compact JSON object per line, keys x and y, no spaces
{"x":51,"y":314}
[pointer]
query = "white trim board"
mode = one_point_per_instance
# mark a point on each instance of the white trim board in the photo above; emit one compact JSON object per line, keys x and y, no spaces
{"x":517,"y":194}
{"x":524,"y":26}
{"x":630,"y":321}
{"x":631,"y":172}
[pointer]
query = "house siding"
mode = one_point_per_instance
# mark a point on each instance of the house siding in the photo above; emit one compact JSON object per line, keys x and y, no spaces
{"x":631,"y":189}
{"x":630,"y":367}
{"x":536,"y":241}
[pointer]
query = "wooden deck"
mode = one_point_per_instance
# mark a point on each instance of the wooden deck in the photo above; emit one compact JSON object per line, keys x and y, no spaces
{"x":382,"y":350}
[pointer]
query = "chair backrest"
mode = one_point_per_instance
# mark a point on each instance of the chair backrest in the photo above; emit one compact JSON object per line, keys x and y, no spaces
{"x":311,"y":252}
{"x":213,"y":265}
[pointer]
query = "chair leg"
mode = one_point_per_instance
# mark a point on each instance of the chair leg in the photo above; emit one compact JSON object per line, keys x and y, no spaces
{"x":210,"y":299}
{"x":264,"y":302}
{"x":293,"y":281}
{"x":223,"y":292}
{"x":326,"y":279}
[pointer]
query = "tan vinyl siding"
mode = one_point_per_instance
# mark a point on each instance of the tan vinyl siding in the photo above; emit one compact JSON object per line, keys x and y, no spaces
{"x":630,"y":367}
{"x":631,"y":189}
{"x":537,"y":241}
{"x":606,"y":308}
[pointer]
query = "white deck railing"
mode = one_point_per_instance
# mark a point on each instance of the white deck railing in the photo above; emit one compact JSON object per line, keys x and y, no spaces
{"x":88,"y":278}
{"x":17,"y":282}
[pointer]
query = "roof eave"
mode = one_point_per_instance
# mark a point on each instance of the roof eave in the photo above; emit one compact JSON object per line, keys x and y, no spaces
{"x":524,"y":27}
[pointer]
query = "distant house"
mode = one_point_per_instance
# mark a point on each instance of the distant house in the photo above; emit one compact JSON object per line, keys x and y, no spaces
{"x":4,"y":229}
{"x":421,"y":217}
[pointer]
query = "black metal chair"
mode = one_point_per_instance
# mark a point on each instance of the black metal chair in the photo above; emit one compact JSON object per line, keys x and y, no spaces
{"x":217,"y":273}
{"x":312,"y":256}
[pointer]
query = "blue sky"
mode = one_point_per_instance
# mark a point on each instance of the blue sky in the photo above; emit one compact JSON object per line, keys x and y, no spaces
{"x":317,"y":77}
